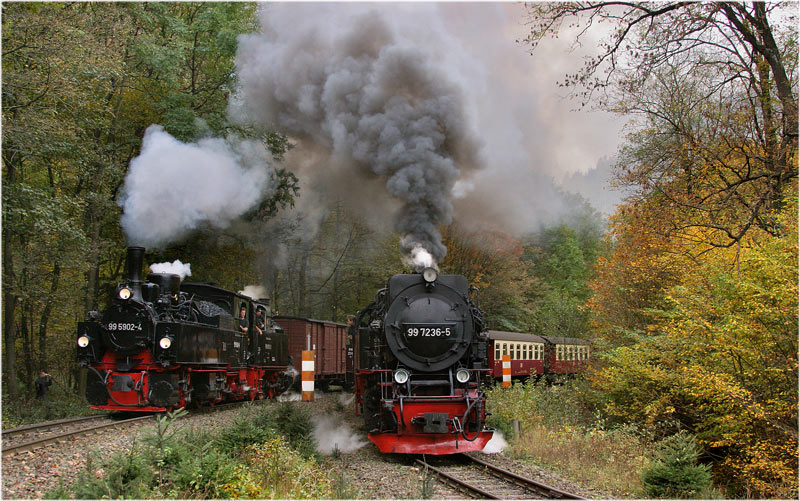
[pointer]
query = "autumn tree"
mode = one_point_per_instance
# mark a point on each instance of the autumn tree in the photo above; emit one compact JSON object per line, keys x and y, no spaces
{"x":697,"y":296}
{"x":714,"y":88}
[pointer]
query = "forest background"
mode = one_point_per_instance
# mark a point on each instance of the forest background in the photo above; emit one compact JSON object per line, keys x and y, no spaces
{"x":688,"y":291}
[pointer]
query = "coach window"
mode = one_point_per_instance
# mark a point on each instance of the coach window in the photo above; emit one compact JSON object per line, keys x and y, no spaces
{"x":572,"y":353}
{"x":505,"y":348}
{"x":497,"y":351}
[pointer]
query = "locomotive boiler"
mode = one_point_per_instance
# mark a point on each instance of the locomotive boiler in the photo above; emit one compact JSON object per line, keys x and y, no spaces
{"x":421,"y":356}
{"x":162,"y":344}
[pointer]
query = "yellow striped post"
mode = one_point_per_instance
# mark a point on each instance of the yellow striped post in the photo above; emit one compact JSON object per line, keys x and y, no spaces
{"x":506,"y":371}
{"x":307,"y":376}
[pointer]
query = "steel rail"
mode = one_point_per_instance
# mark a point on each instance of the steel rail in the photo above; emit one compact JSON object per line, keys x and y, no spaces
{"x":50,"y":424}
{"x":38,"y":443}
{"x":30,"y":445}
{"x":526,"y":483}
{"x":459,"y":485}
{"x":532,"y":486}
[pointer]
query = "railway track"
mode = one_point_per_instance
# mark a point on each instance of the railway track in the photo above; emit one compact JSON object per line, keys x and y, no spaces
{"x":29,"y":438}
{"x":33,"y":429}
{"x":35,"y":436}
{"x":481,"y":480}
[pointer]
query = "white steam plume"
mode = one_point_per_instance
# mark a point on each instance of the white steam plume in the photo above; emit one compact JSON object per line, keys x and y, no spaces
{"x":174,"y":187}
{"x":419,"y":258}
{"x":254,"y":291}
{"x":369,"y":100}
{"x":496,"y":444}
{"x":173,"y":268}
{"x":330,"y":435}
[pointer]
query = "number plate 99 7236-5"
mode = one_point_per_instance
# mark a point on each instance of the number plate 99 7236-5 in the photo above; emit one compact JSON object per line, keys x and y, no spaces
{"x":428,"y":330}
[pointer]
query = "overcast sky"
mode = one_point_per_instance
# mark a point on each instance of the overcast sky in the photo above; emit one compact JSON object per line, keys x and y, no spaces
{"x":559,"y":138}
{"x":531,"y":135}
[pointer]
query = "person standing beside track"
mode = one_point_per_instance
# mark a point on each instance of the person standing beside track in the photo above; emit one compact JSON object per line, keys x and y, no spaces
{"x":42,"y":382}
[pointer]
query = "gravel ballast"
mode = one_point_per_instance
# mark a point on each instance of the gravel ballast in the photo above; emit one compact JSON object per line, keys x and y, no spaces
{"x":366,"y":472}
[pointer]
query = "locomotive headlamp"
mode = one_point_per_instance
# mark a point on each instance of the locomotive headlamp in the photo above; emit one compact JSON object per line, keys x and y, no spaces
{"x":124,"y":293}
{"x":83,"y":341}
{"x":462,"y":375}
{"x":165,"y":343}
{"x":401,"y":376}
{"x":429,"y":274}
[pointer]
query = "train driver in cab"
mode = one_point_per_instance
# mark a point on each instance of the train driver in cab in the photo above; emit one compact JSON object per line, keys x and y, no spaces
{"x":258,"y":323}
{"x":243,"y":323}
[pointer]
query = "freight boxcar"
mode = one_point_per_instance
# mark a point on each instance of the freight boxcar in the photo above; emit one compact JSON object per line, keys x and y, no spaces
{"x":328,"y":340}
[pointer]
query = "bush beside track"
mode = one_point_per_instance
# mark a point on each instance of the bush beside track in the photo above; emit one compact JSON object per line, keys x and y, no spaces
{"x":268,"y":452}
{"x":560,"y":433}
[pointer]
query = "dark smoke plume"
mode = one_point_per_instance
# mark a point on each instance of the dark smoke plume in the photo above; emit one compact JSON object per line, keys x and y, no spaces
{"x":373,"y":101}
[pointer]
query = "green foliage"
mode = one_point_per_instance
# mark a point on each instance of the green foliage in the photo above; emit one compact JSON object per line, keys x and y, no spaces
{"x":560,"y":430}
{"x":721,"y":360}
{"x":293,"y":420}
{"x":556,"y":405}
{"x":249,"y":427}
{"x":81,"y":82}
{"x":427,"y":484}
{"x":249,"y":460}
{"x":61,"y":402}
{"x":285,"y":473}
{"x":676,"y":473}
{"x":342,"y":488}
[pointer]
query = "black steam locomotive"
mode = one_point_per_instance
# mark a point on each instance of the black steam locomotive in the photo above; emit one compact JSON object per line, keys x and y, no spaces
{"x":421,"y":355}
{"x":163,"y":344}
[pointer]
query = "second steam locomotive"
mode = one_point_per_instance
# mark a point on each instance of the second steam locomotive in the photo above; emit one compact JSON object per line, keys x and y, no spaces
{"x":162,"y":344}
{"x":421,"y":355}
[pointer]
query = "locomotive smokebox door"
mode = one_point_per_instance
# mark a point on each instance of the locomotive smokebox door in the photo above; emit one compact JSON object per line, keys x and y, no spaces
{"x":428,"y":329}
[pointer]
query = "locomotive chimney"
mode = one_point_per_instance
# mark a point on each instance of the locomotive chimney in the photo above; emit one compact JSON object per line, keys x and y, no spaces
{"x":135,"y":260}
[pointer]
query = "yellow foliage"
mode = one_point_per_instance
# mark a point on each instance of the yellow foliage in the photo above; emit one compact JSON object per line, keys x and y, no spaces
{"x":716,"y":352}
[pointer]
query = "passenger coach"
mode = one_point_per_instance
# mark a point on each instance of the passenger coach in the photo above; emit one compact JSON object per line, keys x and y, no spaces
{"x":537,"y":355}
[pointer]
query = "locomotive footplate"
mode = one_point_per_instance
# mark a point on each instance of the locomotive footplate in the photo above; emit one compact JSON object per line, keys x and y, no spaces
{"x":429,"y":443}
